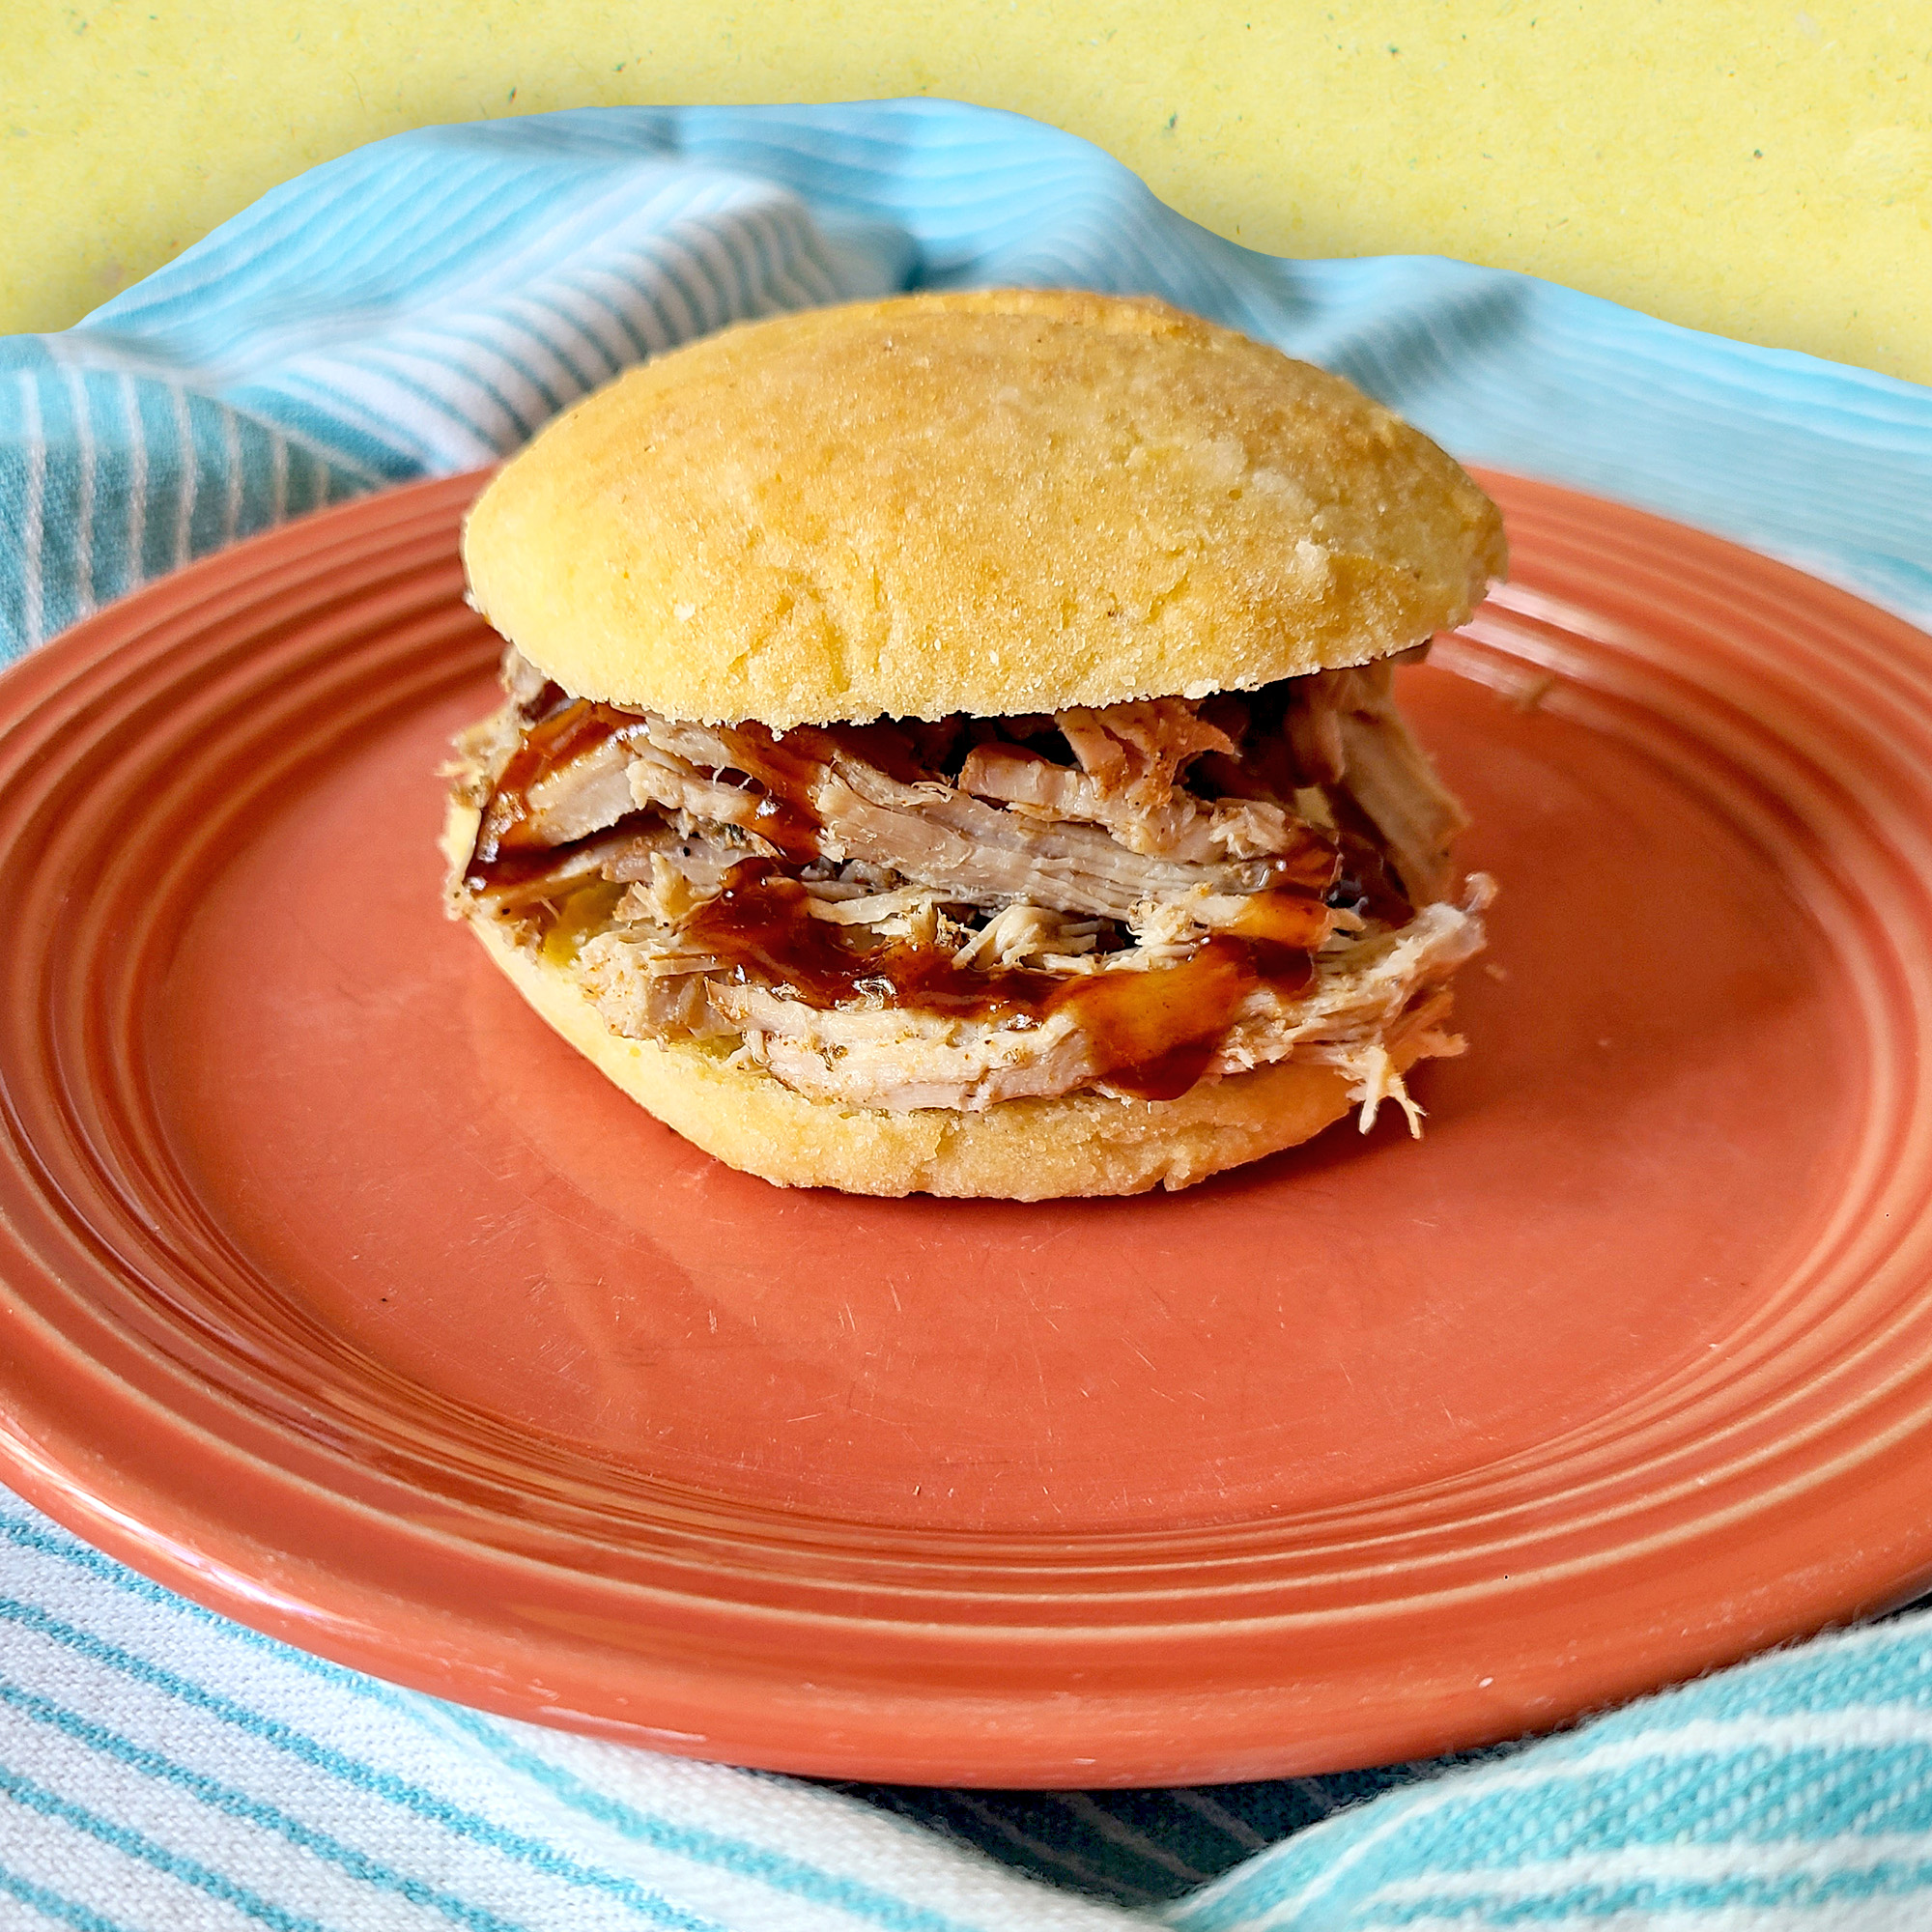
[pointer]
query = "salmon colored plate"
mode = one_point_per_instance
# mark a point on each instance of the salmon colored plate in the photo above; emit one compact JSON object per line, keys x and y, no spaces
{"x":342,"y":1296}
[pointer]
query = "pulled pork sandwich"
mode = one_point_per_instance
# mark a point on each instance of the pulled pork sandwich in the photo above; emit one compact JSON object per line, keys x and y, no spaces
{"x":949,"y":744}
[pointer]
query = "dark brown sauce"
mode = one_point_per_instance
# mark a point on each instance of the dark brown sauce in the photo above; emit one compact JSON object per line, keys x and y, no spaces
{"x":787,"y":824}
{"x":559,"y":738}
{"x":787,"y":768}
{"x":760,"y":925}
{"x":784,"y":777}
{"x":1310,"y":869}
{"x":551,"y":698}
{"x":507,"y":849}
{"x":521,"y":865}
{"x":560,"y":729}
{"x":1153,"y":1032}
{"x":557,"y":730}
{"x":882,"y":743}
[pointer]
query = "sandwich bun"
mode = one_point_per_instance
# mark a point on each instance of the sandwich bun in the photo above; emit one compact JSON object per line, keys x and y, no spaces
{"x":988,"y":504}
{"x":994,"y":502}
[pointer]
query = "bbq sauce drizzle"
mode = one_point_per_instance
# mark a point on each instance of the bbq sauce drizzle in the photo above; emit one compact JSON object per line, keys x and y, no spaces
{"x":557,"y":730}
{"x":1152,"y":1031}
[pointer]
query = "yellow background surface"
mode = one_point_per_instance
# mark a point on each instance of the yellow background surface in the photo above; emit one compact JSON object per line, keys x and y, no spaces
{"x":1761,"y":170}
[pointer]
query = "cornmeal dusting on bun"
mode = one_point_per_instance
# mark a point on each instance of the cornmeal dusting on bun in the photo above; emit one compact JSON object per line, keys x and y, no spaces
{"x":950,"y":744}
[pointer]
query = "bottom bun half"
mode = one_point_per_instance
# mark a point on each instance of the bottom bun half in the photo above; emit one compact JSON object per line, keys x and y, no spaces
{"x":1081,"y":1143}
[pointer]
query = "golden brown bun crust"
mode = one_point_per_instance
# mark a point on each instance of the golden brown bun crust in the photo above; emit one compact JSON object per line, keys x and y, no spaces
{"x":1001,"y":501}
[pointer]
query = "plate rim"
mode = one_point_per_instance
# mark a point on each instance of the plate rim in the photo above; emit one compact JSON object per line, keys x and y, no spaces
{"x":330,"y":1614}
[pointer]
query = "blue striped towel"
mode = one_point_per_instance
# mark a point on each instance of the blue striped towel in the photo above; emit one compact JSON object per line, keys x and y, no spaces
{"x":422,"y":305}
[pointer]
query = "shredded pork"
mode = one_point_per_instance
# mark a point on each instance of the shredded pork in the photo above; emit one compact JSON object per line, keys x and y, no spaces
{"x":945,"y":914}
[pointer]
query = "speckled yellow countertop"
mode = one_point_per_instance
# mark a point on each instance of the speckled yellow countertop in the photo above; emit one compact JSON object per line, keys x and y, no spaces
{"x":1761,"y":170}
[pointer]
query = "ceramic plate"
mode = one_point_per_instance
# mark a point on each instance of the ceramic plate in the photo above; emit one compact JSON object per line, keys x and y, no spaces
{"x":342,"y":1296}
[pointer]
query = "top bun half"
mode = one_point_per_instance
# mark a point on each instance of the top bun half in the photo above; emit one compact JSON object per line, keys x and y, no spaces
{"x":1008,"y":501}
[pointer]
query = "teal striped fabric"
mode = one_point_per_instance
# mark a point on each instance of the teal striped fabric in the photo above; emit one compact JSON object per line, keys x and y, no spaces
{"x":422,"y":305}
